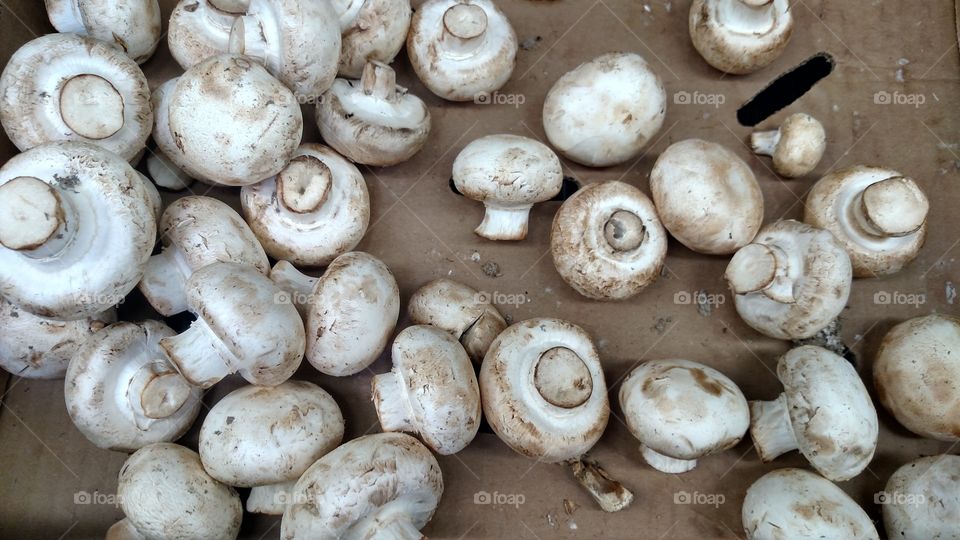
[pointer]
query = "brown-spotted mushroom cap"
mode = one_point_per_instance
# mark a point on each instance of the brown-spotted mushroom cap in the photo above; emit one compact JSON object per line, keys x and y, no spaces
{"x":371,"y":31}
{"x":796,"y":146}
{"x":791,"y":282}
{"x":740,"y":36}
{"x":607,"y":241}
{"x":65,"y":87}
{"x":877,"y":214}
{"x":922,"y":499}
{"x":131,"y":25}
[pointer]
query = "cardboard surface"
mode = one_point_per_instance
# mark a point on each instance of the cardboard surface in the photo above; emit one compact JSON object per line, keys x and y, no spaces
{"x":54,"y":483}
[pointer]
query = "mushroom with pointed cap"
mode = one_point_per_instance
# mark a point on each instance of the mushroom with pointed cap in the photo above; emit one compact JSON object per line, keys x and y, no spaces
{"x":462,"y":50}
{"x":791,"y":282}
{"x":509,"y":174}
{"x":877,"y":214}
{"x":923,"y":499}
{"x":824,"y":411}
{"x":431,"y":391}
{"x":605,"y":111}
{"x":385,"y":485}
{"x":65,"y":87}
{"x":373,"y":121}
{"x":316,"y":209}
{"x":371,"y":31}
{"x":78,"y":212}
{"x":917,"y":375}
{"x":740,"y":36}
{"x":607,"y":241}
{"x":796,"y":146}
{"x":265,"y":437}
{"x":682,"y":411}
{"x":133,"y":26}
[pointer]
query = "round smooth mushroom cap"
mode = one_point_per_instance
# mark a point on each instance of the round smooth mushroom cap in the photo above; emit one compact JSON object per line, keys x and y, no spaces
{"x":922,"y":501}
{"x":605,"y":111}
{"x":740,"y":36}
{"x":133,"y":26}
{"x":917,"y":375}
{"x":707,"y":197}
{"x":607,"y":241}
{"x":372,"y":30}
{"x":796,"y":146}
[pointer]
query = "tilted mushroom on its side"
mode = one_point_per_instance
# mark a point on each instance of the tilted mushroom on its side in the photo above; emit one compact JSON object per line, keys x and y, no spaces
{"x":796,"y":146}
{"x":132,"y":25}
{"x":922,"y":499}
{"x":371,"y":31}
{"x":740,"y":36}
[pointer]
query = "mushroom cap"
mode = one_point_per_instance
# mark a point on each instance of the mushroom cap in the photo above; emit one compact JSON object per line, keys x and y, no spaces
{"x":106,"y":222}
{"x":165,"y":493}
{"x":461,"y":310}
{"x":65,"y":87}
{"x":266,"y":435}
{"x":330,"y":217}
{"x":374,"y":476}
{"x":917,"y":375}
{"x":740,"y":36}
{"x":353,"y":310}
{"x":461,"y":49}
{"x":607,"y":241}
{"x":507,"y":169}
{"x":133,"y":26}
{"x":543,"y":390}
{"x":923,"y":499}
{"x":605,"y":111}
{"x":371,"y":30}
{"x":798,"y":504}
{"x":878,"y":215}
{"x":801,"y":146}
{"x":707,"y":197}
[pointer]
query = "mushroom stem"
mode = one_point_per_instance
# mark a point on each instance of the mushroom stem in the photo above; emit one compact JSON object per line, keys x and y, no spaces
{"x":34,"y":219}
{"x":156,"y":391}
{"x":271,"y":499}
{"x":123,"y":530}
{"x":464,"y":26}
{"x":765,"y":142}
{"x":304,"y":184}
{"x":66,"y":17}
{"x":771,"y":429}
{"x":296,"y":283}
{"x":504,"y":223}
{"x":165,"y":173}
{"x":199,"y":355}
{"x":164,"y":281}
{"x":609,"y":494}
{"x":666,"y":464}
{"x":624,"y":231}
{"x":249,"y":43}
{"x":378,"y":79}
{"x":392,"y":409}
{"x":747,"y":16}
{"x":759,"y":267}
{"x":893,"y":207}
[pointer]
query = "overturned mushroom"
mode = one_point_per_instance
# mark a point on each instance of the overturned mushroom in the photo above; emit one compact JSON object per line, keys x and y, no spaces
{"x":372,"y":31}
{"x":134,"y":26}
{"x":740,"y":36}
{"x":796,"y":146}
{"x":922,"y":499}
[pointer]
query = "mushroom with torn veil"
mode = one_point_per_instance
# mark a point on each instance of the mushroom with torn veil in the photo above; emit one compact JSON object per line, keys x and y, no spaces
{"x":132,"y":25}
{"x":371,"y":31}
{"x":740,"y":36}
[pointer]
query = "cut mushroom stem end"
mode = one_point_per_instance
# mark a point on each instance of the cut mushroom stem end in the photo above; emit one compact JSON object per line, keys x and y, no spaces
{"x":666,"y":464}
{"x":158,"y":391}
{"x":504,"y":223}
{"x":765,"y":142}
{"x":271,"y":499}
{"x":33,"y":218}
{"x":893,"y":207}
{"x":609,"y":493}
{"x":757,"y":267}
{"x":304,"y":185}
{"x":771,"y":429}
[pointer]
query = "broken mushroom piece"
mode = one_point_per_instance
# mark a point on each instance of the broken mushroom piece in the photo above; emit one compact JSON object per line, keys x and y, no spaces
{"x":133,"y":26}
{"x":264,"y":438}
{"x":65,"y":87}
{"x":877,"y":214}
{"x":682,"y":411}
{"x":509,"y":174}
{"x":431,"y":391}
{"x":824,"y":411}
{"x":796,"y":146}
{"x":922,"y":499}
{"x":740,"y":36}
{"x":791,"y":282}
{"x":371,"y":31}
{"x":605,"y":111}
{"x":316,"y":209}
{"x":607,"y":241}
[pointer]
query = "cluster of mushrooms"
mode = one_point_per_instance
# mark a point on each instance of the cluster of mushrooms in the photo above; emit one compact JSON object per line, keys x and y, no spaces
{"x":79,"y":225}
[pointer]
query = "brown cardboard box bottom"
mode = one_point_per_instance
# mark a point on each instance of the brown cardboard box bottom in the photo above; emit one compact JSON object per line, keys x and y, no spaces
{"x":424,"y":231}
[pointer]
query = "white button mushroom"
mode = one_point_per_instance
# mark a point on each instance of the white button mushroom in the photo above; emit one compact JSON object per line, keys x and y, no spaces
{"x":682,"y":411}
{"x":792,"y":282}
{"x":65,"y":87}
{"x":509,"y":174}
{"x":923,"y":500}
{"x":373,"y":121}
{"x":134,"y":26}
{"x":461,"y":50}
{"x":165,"y":173}
{"x":707,"y":197}
{"x":315,"y":210}
{"x":123,"y":394}
{"x":798,"y":504}
{"x":66,"y":209}
{"x":824,"y":411}
{"x":740,"y":36}
{"x":431,"y":391}
{"x":917,"y":375}
{"x":371,"y":30}
{"x":265,"y":438}
{"x":607,"y":241}
{"x":796,"y":146}
{"x":196,"y":231}
{"x":878,"y":215}
{"x":385,"y":485}
{"x":605,"y":111}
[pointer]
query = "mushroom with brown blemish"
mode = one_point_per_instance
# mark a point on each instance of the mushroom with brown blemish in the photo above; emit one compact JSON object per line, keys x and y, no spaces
{"x":922,"y":499}
{"x":371,"y":31}
{"x":796,"y":146}
{"x":133,"y":26}
{"x":740,"y":36}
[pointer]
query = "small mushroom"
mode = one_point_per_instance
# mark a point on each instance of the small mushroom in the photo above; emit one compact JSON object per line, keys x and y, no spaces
{"x":461,"y":50}
{"x":123,"y":394}
{"x":607,"y":241}
{"x":923,"y":499}
{"x":431,"y":391}
{"x":798,"y":504}
{"x":65,"y":87}
{"x":79,"y":213}
{"x":707,"y":197}
{"x":791,"y":282}
{"x":133,"y":26}
{"x":316,"y":209}
{"x":916,"y":373}
{"x":740,"y":36}
{"x":682,"y":411}
{"x":824,"y":411}
{"x":373,"y":121}
{"x":605,"y":111}
{"x":371,"y":31}
{"x":796,"y":146}
{"x":196,"y":231}
{"x":265,"y":438}
{"x":877,"y":214}
{"x":242,"y":326}
{"x":509,"y":174}
{"x":385,"y":485}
